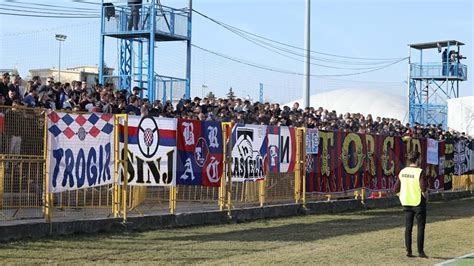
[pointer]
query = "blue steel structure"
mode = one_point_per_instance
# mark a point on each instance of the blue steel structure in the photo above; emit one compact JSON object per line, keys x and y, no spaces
{"x":138,"y":27}
{"x":430,"y":85}
{"x":261,"y":93}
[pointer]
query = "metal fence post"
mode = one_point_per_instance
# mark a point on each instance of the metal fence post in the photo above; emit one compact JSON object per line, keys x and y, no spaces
{"x":228,"y":170}
{"x":298,"y":166}
{"x":47,"y":210}
{"x":303,"y":164}
{"x":125,"y":168}
{"x":172,"y":199}
{"x":261,"y":194}
{"x":116,"y":194}
{"x":222,"y":188}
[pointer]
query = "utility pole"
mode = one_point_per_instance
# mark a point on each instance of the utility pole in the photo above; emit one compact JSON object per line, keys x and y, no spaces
{"x":307,"y":47}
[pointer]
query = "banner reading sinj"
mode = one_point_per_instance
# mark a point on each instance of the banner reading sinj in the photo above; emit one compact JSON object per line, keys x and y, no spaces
{"x":249,"y":152}
{"x":151,"y":159}
{"x":80,"y":150}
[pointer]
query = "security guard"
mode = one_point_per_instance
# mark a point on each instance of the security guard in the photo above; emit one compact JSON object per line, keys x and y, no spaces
{"x":412,"y":186}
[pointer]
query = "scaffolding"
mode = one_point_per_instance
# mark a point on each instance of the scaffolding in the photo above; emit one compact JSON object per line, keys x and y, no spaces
{"x":430,"y":85}
{"x":138,"y":26}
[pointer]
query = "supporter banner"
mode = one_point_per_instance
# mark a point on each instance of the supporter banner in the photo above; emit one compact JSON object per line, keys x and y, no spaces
{"x":200,"y":158}
{"x":80,"y":150}
{"x":448,"y":163}
{"x":435,"y":173}
{"x":347,"y":161}
{"x":281,"y":149}
{"x":432,"y":152}
{"x":464,"y":157}
{"x":249,"y":152}
{"x":312,"y":141}
{"x":151,"y":159}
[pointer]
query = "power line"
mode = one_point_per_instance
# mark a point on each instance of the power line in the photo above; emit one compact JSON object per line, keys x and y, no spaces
{"x":46,"y":5}
{"x":53,"y":9}
{"x":273,"y":69}
{"x":256,"y":42}
{"x":288,"y":45}
{"x":55,"y":13}
{"x":363,"y":81}
{"x":332,"y":61}
{"x":46,"y":29}
{"x":45,"y":16}
{"x":267,"y":46}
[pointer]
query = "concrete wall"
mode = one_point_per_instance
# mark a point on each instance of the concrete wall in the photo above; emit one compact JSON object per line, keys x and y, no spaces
{"x":20,"y":230}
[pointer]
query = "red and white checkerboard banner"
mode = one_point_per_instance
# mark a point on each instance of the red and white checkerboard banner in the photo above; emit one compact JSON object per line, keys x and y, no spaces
{"x":80,"y":150}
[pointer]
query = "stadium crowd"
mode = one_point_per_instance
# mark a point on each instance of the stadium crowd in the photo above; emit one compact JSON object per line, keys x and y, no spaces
{"x":79,"y":96}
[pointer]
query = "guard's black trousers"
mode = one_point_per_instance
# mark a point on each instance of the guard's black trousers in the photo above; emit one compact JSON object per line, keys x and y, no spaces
{"x":420,"y":213}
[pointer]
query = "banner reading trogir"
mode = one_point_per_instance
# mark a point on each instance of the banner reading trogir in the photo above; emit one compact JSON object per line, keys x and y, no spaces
{"x":80,"y":150}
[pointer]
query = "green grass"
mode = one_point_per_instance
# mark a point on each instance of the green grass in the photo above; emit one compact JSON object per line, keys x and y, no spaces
{"x":468,"y":261}
{"x":369,"y":237}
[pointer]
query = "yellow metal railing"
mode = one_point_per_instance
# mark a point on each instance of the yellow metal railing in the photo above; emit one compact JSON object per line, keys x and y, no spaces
{"x":24,"y":179}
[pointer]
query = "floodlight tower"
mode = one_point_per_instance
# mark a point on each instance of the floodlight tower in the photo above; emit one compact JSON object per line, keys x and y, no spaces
{"x":430,"y":85}
{"x":139,"y":25}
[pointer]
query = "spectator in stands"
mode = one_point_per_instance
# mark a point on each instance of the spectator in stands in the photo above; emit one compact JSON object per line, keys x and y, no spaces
{"x":48,"y":86}
{"x":11,"y":96}
{"x":86,"y":88}
{"x":30,"y":99}
{"x":156,"y":109}
{"x":59,"y":95}
{"x":12,"y":116}
{"x":72,"y":101}
{"x":4,"y":84}
{"x":144,"y":109}
{"x":76,"y":88}
{"x":36,"y":82}
{"x":88,"y":102}
{"x":44,"y":101}
{"x":15,"y":85}
{"x":80,"y":97}
{"x":133,"y":107}
{"x":135,"y":92}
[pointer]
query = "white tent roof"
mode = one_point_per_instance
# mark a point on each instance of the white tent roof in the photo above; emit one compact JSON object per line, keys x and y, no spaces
{"x":362,"y":101}
{"x":461,"y":114}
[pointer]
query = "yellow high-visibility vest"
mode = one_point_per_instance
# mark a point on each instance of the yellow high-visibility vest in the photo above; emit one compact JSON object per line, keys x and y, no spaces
{"x":410,"y":190}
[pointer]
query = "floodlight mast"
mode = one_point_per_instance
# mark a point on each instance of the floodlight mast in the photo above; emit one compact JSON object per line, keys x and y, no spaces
{"x":60,"y":38}
{"x":307,"y":48}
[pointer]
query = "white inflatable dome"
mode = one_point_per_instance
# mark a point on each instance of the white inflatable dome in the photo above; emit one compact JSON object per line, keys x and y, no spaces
{"x":362,"y":101}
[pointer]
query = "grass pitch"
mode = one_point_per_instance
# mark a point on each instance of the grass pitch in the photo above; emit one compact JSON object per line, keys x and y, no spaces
{"x":371,"y":237}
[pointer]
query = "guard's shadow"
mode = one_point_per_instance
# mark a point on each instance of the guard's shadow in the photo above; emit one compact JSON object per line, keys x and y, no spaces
{"x":344,"y":225}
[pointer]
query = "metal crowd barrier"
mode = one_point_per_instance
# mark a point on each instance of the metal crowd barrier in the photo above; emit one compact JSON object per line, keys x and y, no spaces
{"x":23,"y":181}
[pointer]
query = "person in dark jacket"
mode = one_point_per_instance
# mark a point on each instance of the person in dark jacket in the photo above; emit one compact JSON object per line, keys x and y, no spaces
{"x":134,"y":20}
{"x":4,"y":84}
{"x":15,"y":85}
